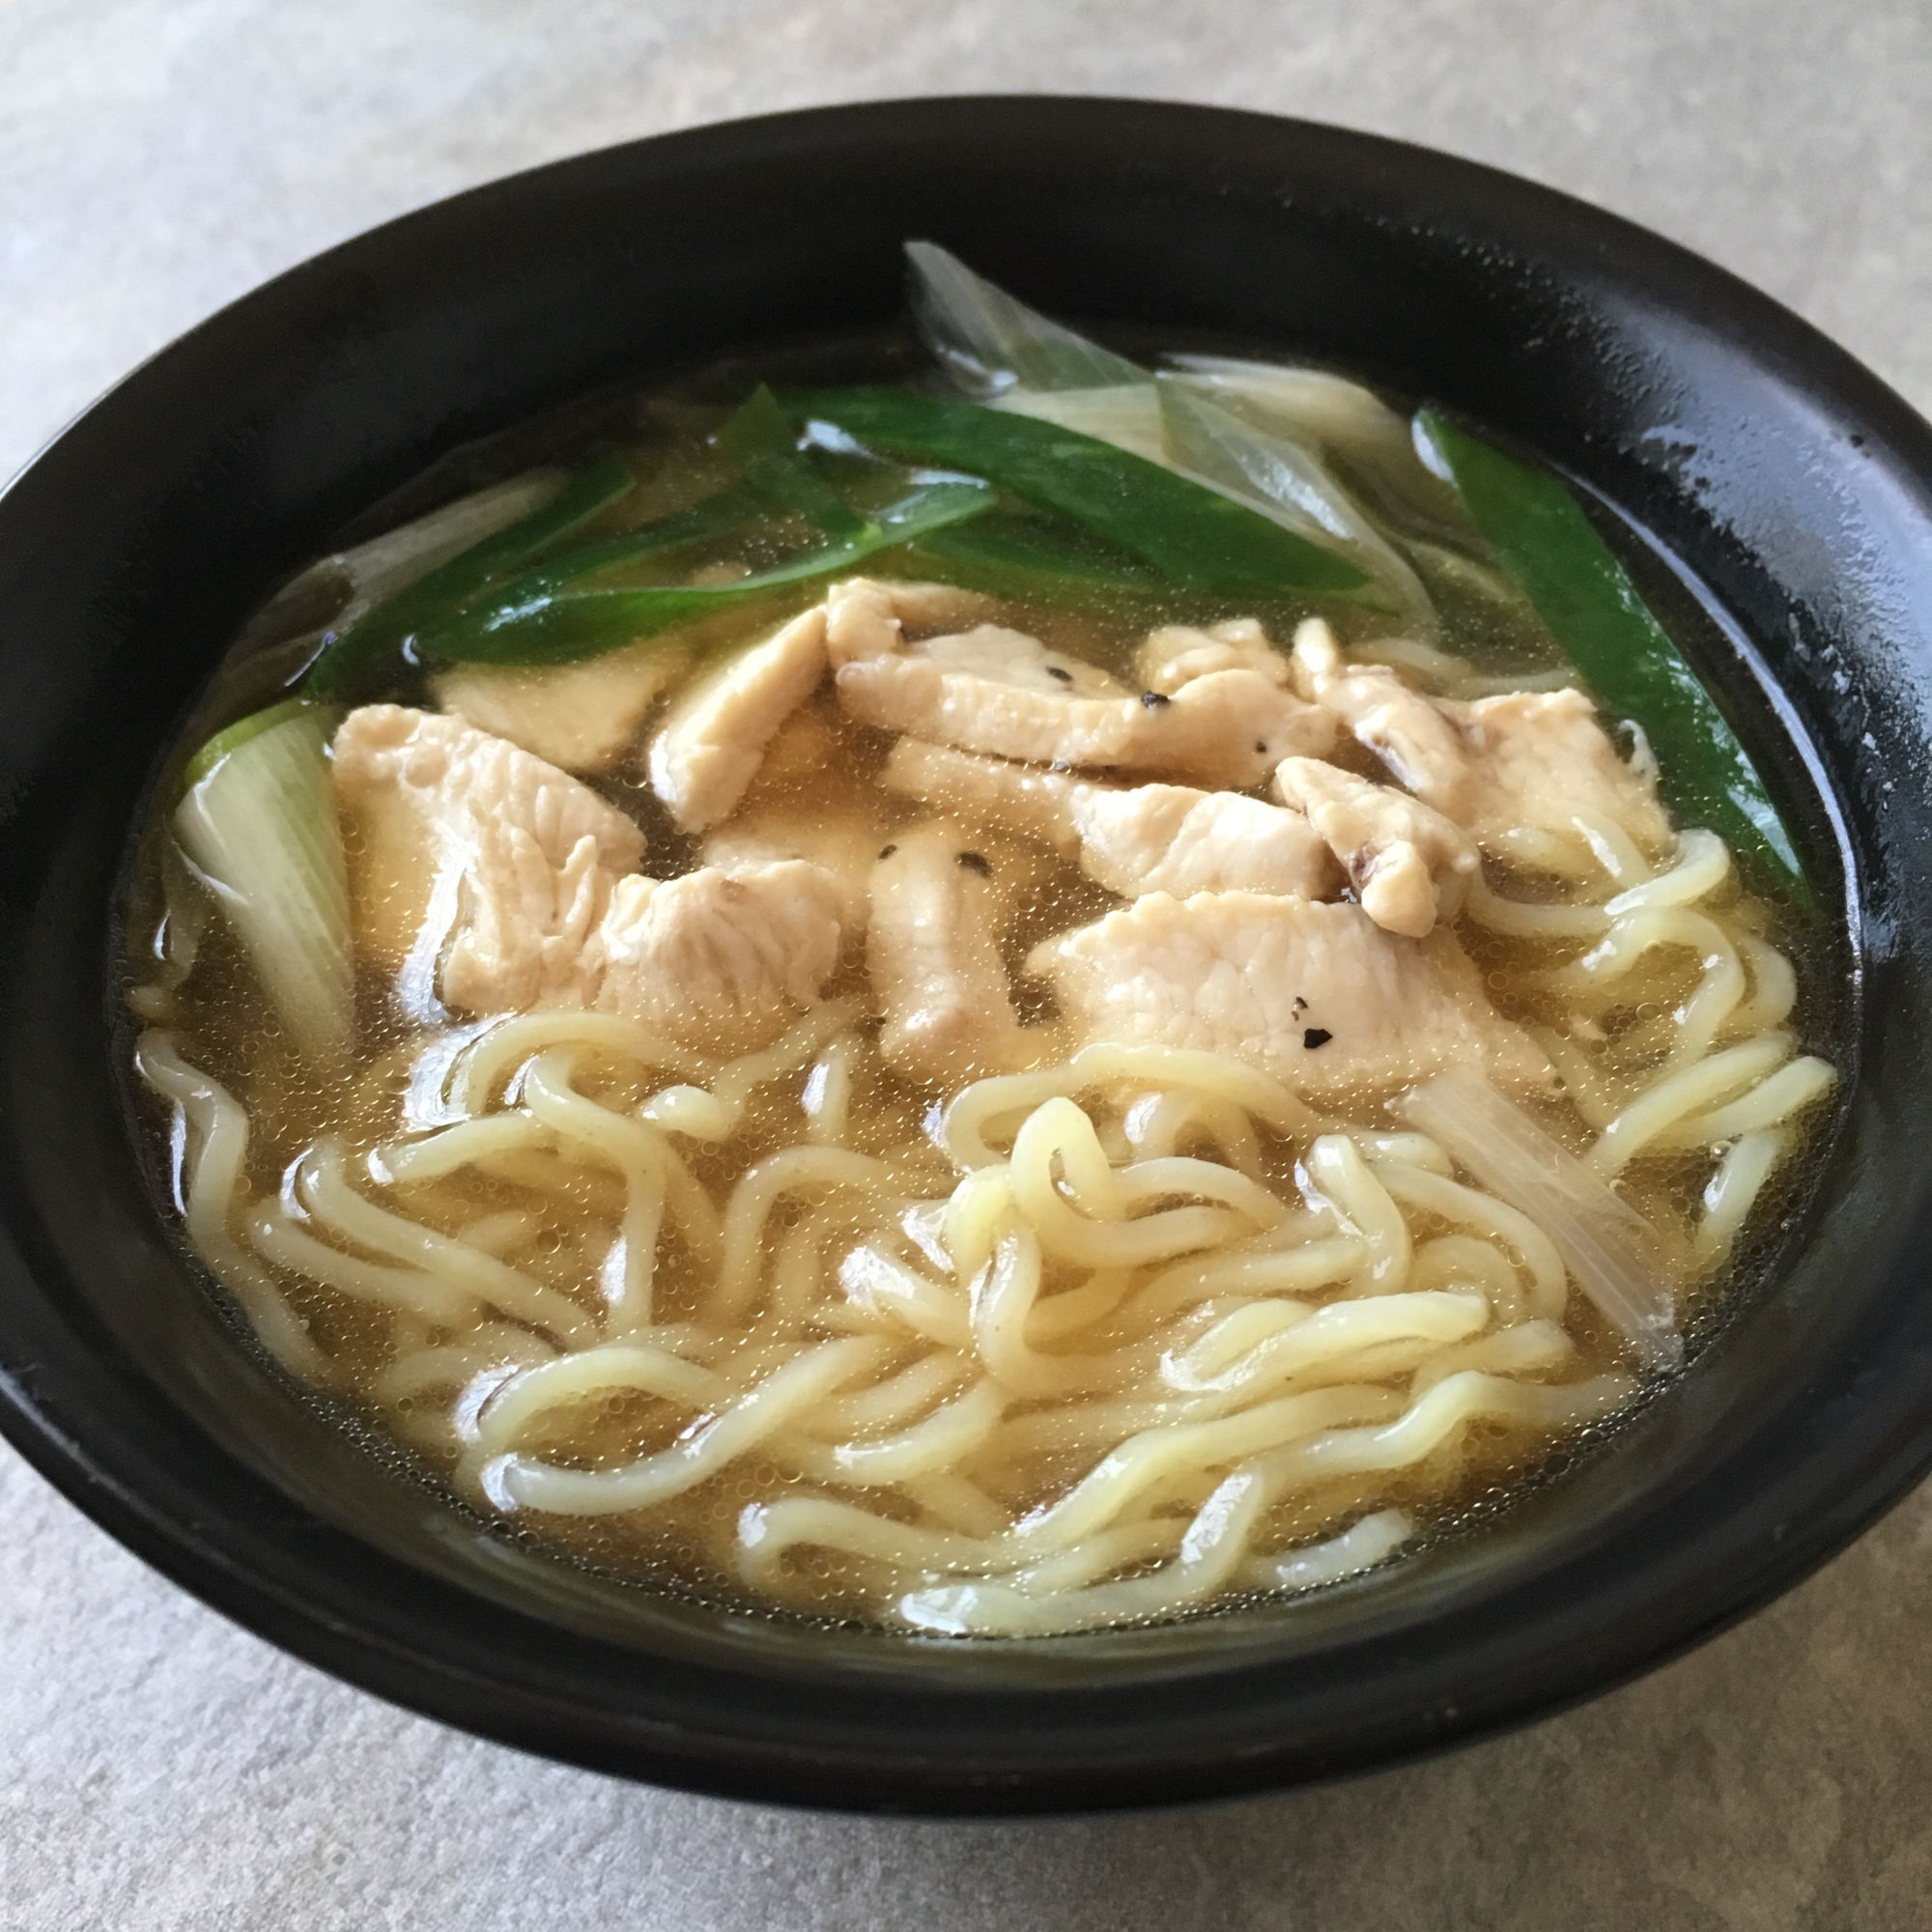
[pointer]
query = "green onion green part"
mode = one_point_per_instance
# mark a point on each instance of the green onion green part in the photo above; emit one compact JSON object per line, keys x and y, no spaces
{"x":762,"y":439}
{"x":1022,"y":555}
{"x":543,"y":620}
{"x":391,"y":628}
{"x":1541,"y":537}
{"x":1200,"y":539}
{"x":233,"y":736}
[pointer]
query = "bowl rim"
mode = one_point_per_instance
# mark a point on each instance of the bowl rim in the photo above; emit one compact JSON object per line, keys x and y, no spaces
{"x":281,"y":1589}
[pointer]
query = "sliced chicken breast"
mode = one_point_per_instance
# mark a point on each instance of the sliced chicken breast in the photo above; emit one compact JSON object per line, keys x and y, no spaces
{"x":581,"y":717}
{"x":461,"y":843}
{"x":871,"y":617}
{"x":1176,"y":654}
{"x":842,"y":841}
{"x":1318,"y":995}
{"x":1534,"y":759}
{"x":706,"y":753}
{"x":1020,"y":799}
{"x":1400,"y":726}
{"x":1172,"y":838}
{"x":1409,"y":864}
{"x":719,"y":958}
{"x":492,"y":882}
{"x":1227,"y":730}
{"x":941,"y":905}
{"x":1541,"y":757}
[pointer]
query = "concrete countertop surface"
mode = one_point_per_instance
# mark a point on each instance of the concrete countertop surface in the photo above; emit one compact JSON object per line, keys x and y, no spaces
{"x":158,"y":1768}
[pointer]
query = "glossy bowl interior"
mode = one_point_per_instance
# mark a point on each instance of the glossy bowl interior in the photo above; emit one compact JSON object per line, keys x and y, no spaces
{"x":1792,"y":491}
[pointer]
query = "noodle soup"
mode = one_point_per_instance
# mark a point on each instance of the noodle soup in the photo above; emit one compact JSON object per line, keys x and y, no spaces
{"x":1019,"y":996}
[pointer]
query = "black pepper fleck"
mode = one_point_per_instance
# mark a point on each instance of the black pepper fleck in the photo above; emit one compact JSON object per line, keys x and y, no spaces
{"x":1300,"y":1004}
{"x":1155,"y":700}
{"x":1315,"y":1037}
{"x":974,"y":862}
{"x":1064,"y":677}
{"x":887,"y":851}
{"x":1261,"y":746}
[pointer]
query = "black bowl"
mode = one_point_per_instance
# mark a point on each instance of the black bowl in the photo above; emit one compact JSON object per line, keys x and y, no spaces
{"x":1793,"y":492}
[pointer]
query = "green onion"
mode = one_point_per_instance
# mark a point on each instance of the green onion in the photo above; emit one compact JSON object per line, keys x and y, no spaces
{"x":1198,"y":538}
{"x":1020,"y":555}
{"x":760,"y":438}
{"x":543,"y":620}
{"x":1227,"y":450}
{"x":1539,"y":532}
{"x":233,"y":736}
{"x":991,"y":343}
{"x":259,"y":823}
{"x":390,"y":629}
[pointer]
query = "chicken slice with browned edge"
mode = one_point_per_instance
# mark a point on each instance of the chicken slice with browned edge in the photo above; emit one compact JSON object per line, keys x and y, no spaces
{"x":1400,"y":726}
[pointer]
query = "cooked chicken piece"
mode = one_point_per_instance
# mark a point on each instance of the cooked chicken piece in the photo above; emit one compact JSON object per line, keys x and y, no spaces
{"x":583,"y":717}
{"x":1227,"y":730}
{"x":940,"y":907}
{"x":483,"y":875}
{"x":841,"y":838}
{"x":1170,"y":839}
{"x":868,"y":617}
{"x":708,"y":748}
{"x":1409,"y":865}
{"x":453,"y":830}
{"x":1176,"y":654}
{"x":1524,"y":758}
{"x":717,"y":958}
{"x":1407,"y":733}
{"x":805,"y":744}
{"x":1318,"y":995}
{"x":1540,"y":757}
{"x":990,"y":791}
{"x":1131,"y":839}
{"x":1012,"y":657}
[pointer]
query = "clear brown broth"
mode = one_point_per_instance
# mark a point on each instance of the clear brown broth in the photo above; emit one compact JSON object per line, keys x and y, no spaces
{"x":824,"y":763}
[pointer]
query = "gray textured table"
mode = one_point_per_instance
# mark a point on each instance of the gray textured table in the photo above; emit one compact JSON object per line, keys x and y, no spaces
{"x":160,"y":1770}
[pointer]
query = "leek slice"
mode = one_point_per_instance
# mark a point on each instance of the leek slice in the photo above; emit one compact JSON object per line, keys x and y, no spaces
{"x":1004,"y":352}
{"x":1196,"y":535}
{"x":258,"y":823}
{"x":990,"y":342}
{"x":1262,"y":465}
{"x":1332,"y":416}
{"x":1610,"y":1250}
